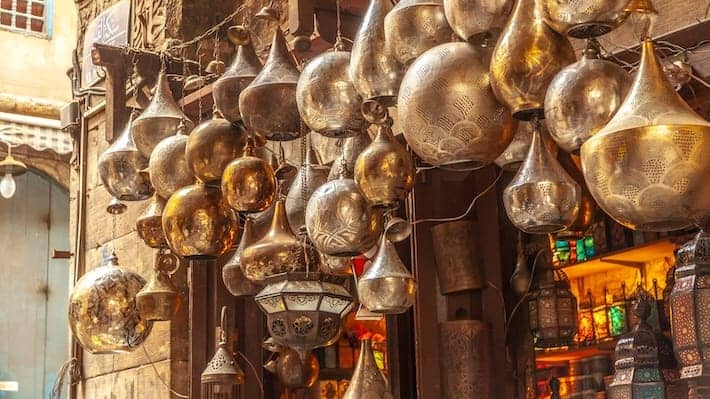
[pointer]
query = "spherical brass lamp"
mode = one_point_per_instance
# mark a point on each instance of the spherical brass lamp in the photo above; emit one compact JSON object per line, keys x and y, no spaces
{"x":168,"y":167}
{"x":211,"y":146}
{"x":415,"y":26}
{"x":473,"y":21}
{"x":149,"y":224}
{"x":248,"y":183}
{"x":585,"y":18}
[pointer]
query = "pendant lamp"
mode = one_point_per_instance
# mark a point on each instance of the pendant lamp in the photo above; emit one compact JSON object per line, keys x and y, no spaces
{"x":516,"y":152}
{"x":311,"y":175}
{"x":648,"y":168}
{"x":149,"y":224}
{"x":248,"y":183}
{"x":368,"y":380}
{"x":168,"y":167}
{"x":238,"y":76}
{"x":527,"y":57}
{"x":211,"y":146}
{"x":585,"y":18}
{"x":447,"y":110}
{"x":159,"y":299}
{"x":413,"y":27}
{"x":222,"y":374}
{"x":232,"y":274}
{"x":160,"y":119}
{"x":351,"y":148}
{"x":474,"y":21}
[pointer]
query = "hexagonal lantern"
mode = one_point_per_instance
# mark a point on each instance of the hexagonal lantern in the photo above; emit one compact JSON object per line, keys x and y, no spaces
{"x":304,"y":310}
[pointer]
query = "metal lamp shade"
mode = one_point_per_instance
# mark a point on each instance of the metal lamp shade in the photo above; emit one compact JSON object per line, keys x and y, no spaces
{"x":232,"y":274}
{"x":367,"y":381}
{"x":149,"y":224}
{"x":464,"y":357}
{"x":168,"y":167}
{"x":311,"y":175}
{"x":586,"y":18}
{"x":514,"y":155}
{"x":211,"y":146}
{"x":237,"y":77}
{"x":474,"y":20}
{"x":248,"y":183}
{"x":458,"y":257}
{"x":415,"y":26}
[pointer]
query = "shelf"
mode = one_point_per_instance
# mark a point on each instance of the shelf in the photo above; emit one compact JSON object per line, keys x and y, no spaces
{"x":605,"y":347}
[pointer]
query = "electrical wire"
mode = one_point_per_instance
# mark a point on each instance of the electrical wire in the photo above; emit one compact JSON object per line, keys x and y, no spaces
{"x":253,"y":369}
{"x":160,"y":377}
{"x":523,"y":298}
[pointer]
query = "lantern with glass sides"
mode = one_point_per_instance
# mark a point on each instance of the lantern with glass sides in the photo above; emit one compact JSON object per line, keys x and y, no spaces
{"x":304,"y":309}
{"x":585,"y":320}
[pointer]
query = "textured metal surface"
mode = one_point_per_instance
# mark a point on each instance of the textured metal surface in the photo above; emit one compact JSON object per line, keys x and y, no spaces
{"x":268,"y":105}
{"x":584,"y":18}
{"x":344,"y":163}
{"x":386,"y":286}
{"x":294,"y":372}
{"x":211,"y":146}
{"x":464,"y":359}
{"x":249,"y":184}
{"x":326,"y":97}
{"x":311,"y":175}
{"x":518,"y":149}
{"x":367,"y":382}
{"x":102,"y":310}
{"x":384,"y":171}
{"x":542,"y":198}
{"x":415,"y":26}
{"x":458,"y":257}
{"x":159,"y":300}
{"x":447,"y":110}
{"x":648,"y":168}
{"x":168,"y":167}
{"x":340,"y":221}
{"x":159,"y":119}
{"x":279,"y":251}
{"x":375,"y":72}
{"x":338,"y":265}
{"x":582,"y":99}
{"x":471,"y":19}
{"x":198,"y":223}
{"x":149,"y":224}
{"x":553,"y":312}
{"x":232,"y":274}
{"x":237,"y":77}
{"x":121,"y":169}
{"x":527,"y":57}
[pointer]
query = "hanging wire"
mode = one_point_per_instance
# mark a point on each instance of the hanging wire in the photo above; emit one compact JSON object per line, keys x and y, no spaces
{"x":253,"y":369}
{"x":208,"y":32}
{"x":69,"y":368}
{"x":160,"y":377}
{"x":508,"y":319}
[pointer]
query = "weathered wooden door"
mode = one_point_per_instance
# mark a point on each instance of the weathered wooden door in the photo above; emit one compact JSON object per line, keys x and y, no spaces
{"x":33,"y":286}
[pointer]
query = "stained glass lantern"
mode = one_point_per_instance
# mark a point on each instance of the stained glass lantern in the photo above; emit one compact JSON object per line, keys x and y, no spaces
{"x":601,"y":322}
{"x":585,"y":320}
{"x":617,"y":318}
{"x":552,"y":307}
{"x":304,"y":310}
{"x":690,"y":313}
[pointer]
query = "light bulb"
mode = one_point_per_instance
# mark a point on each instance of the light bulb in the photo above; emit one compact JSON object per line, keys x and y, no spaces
{"x":7,"y":186}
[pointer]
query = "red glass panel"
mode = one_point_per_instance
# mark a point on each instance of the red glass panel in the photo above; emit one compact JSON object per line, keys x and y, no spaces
{"x":20,"y":22}
{"x":5,"y":19}
{"x":21,"y":6}
{"x":37,"y":25}
{"x":38,"y":9}
{"x":6,"y":4}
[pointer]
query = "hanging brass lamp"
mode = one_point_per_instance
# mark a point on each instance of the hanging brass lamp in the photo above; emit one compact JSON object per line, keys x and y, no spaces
{"x":413,"y":27}
{"x":121,"y":169}
{"x":586,"y":18}
{"x":222,"y":374}
{"x":447,"y":110}
{"x":337,"y":265}
{"x":326,"y":97}
{"x":368,"y":380}
{"x":116,"y":207}
{"x":648,"y":168}
{"x":527,"y":57}
{"x":159,"y":299}
{"x":149,"y":224}
{"x":311,"y":175}
{"x":516,"y":152}
{"x":375,"y":72}
{"x":232,"y":274}
{"x":212,"y":146}
{"x":248,"y":183}
{"x":474,"y":21}
{"x":583,"y":98}
{"x":238,"y":76}
{"x":277,"y":252}
{"x":350,"y":150}
{"x":542,"y":198}
{"x":340,"y":220}
{"x":159,"y":119}
{"x":168,"y":167}
{"x":198,"y":223}
{"x":103,"y":315}
{"x":294,"y":372}
{"x":386,"y":286}
{"x":268,"y":105}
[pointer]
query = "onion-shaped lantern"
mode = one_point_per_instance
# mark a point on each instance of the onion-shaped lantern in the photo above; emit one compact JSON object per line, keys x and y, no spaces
{"x":121,"y":168}
{"x":552,"y":307}
{"x":311,"y":175}
{"x":368,"y":381}
{"x":375,"y":72}
{"x":168,"y":167}
{"x":234,"y":279}
{"x":542,"y":198}
{"x":160,"y":119}
{"x":586,"y":18}
{"x":447,"y":110}
{"x":351,"y":148}
{"x":248,"y":183}
{"x":341,"y":221}
{"x":198,"y":223}
{"x":326,"y":97}
{"x":387,"y":286}
{"x":149,"y":224}
{"x":212,"y":146}
{"x":102,"y":310}
{"x":648,"y":168}
{"x":268,"y":105}
{"x":304,"y":310}
{"x":583,"y":98}
{"x":237,"y":77}
{"x":160,"y":300}
{"x":415,"y":26}
{"x":527,"y":57}
{"x":516,"y":152}
{"x":474,"y":21}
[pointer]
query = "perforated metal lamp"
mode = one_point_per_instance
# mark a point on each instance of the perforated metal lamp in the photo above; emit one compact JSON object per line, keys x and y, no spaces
{"x":304,"y":310}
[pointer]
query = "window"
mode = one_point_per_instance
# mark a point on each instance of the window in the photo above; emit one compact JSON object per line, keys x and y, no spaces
{"x":29,"y":16}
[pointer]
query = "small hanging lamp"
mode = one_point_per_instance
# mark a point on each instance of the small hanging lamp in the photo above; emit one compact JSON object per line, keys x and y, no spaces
{"x":238,"y":76}
{"x":526,"y":59}
{"x":121,"y":169}
{"x":10,"y":167}
{"x":516,"y":152}
{"x":268,"y":105}
{"x":311,"y":175}
{"x":160,"y":119}
{"x":116,"y":207}
{"x":387,"y":286}
{"x":232,"y":274}
{"x":475,"y":21}
{"x":520,"y":280}
{"x":414,"y":26}
{"x":168,"y":167}
{"x":212,"y":145}
{"x":375,"y":72}
{"x":586,"y":18}
{"x":149,"y":224}
{"x":351,"y":148}
{"x":542,"y":198}
{"x":249,"y":183}
{"x":222,"y":375}
{"x":159,"y":299}
{"x":368,"y":380}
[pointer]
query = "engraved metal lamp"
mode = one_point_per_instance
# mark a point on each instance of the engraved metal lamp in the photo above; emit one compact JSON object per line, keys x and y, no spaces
{"x":222,"y":375}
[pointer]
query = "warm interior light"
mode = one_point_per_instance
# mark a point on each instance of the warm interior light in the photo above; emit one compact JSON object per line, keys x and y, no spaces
{"x":7,"y":186}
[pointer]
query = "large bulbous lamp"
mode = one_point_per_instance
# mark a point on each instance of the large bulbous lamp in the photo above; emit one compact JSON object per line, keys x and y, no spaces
{"x":415,"y":26}
{"x":311,"y":175}
{"x":585,"y":18}
{"x":168,"y":167}
{"x":475,"y":21}
{"x":211,"y":146}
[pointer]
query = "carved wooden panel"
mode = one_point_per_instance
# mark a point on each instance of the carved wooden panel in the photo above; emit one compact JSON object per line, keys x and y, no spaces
{"x":148,"y":23}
